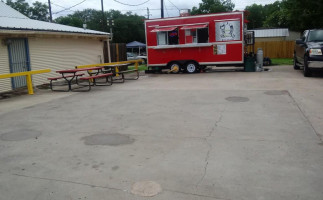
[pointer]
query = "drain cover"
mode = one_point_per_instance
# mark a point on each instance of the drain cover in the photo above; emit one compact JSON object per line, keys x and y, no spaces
{"x":146,"y":188}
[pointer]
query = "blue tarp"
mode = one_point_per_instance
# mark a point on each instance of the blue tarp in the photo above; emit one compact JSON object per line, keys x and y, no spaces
{"x":135,"y":44}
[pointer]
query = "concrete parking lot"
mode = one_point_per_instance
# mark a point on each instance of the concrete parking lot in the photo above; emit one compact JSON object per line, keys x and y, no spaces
{"x":222,"y":135}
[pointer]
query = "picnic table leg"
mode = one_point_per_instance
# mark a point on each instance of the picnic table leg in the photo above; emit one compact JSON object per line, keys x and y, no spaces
{"x":69,"y":82}
{"x":117,"y":70}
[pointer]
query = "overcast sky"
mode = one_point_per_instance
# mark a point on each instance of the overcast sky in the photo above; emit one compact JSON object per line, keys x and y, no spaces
{"x":171,"y":6}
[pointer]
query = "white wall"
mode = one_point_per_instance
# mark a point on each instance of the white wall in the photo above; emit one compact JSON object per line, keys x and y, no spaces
{"x":62,"y":53}
{"x":53,"y":53}
{"x":5,"y":84}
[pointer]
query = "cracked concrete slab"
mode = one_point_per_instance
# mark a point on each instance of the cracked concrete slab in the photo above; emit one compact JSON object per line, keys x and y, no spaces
{"x":178,"y":130}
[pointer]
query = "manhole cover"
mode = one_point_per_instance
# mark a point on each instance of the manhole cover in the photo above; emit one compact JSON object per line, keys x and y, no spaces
{"x":108,"y":139}
{"x":19,"y":135}
{"x":276,"y":92}
{"x":237,"y":99}
{"x":146,"y":188}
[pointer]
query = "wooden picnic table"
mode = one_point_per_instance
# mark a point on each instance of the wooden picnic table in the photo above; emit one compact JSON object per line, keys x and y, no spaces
{"x":70,"y":74}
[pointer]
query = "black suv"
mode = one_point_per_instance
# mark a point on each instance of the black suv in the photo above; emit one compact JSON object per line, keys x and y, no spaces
{"x":308,"y":51}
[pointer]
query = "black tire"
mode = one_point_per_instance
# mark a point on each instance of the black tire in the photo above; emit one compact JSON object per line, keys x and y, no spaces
{"x":296,"y":67}
{"x":143,"y":61}
{"x":307,"y":71}
{"x":267,"y":61}
{"x":175,"y":67}
{"x":191,"y":67}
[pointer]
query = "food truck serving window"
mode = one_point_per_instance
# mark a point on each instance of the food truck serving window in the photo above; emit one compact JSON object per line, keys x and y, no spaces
{"x":167,"y":36}
{"x":196,"y":33}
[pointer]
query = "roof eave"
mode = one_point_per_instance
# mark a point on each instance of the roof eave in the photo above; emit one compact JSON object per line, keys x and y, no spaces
{"x":50,"y":32}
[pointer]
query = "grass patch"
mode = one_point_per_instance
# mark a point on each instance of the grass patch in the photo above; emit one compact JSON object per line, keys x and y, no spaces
{"x":281,"y":61}
{"x":141,"y":67}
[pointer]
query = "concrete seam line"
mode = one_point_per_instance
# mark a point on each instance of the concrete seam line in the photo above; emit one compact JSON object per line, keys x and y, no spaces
{"x":66,"y":181}
{"x":306,"y":118}
{"x":193,"y":194}
{"x":209,"y":147}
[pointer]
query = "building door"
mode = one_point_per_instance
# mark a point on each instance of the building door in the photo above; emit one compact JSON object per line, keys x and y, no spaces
{"x":18,"y":60}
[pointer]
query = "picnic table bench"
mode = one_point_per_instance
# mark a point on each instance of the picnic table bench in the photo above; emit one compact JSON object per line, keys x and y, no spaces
{"x":93,"y":79}
{"x":69,"y":75}
{"x":115,"y":70}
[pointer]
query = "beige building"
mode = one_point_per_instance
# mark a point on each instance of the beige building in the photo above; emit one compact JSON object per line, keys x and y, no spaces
{"x":27,"y":44}
{"x":275,"y":34}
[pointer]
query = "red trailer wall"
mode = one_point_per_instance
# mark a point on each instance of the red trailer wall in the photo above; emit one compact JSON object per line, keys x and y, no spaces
{"x":204,"y":54}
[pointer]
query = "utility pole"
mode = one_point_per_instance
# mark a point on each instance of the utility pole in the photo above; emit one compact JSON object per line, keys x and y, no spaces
{"x":103,"y":18}
{"x":111,"y":24}
{"x":50,"y":11}
{"x":162,"y":9}
{"x":148,"y":14}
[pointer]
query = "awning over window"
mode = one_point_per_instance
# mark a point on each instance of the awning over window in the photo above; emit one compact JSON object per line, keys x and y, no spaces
{"x":164,"y":29}
{"x":194,"y":26}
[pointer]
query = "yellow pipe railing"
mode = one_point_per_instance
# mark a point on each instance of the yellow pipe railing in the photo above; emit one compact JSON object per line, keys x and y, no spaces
{"x":113,"y":63}
{"x":136,"y":62}
{"x":28,"y":77}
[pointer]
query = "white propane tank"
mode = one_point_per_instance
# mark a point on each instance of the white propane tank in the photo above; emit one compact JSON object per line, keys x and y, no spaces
{"x":260,"y":59}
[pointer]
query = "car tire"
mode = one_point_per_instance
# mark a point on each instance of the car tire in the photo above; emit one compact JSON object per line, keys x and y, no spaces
{"x":296,"y":67}
{"x":175,"y":67}
{"x":191,"y":67}
{"x":307,"y":71}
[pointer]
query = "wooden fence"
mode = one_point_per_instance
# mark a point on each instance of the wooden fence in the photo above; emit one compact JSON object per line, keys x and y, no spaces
{"x":118,"y":52}
{"x":275,"y":49}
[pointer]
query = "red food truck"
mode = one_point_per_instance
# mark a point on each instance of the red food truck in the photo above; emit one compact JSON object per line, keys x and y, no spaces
{"x":191,"y":43}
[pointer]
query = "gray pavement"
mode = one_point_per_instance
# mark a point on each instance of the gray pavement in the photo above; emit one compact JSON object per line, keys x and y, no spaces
{"x":222,"y":135}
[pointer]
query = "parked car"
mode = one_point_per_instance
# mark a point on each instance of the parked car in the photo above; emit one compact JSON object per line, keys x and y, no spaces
{"x":308,"y":51}
{"x":143,"y":58}
{"x":131,"y":56}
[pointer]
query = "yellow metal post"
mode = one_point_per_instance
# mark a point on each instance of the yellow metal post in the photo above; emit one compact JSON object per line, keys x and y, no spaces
{"x":29,"y":84}
{"x":136,"y":65}
{"x":117,"y":70}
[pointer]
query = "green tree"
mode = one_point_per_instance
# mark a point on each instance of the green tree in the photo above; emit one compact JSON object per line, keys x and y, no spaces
{"x":71,"y":21}
{"x":20,"y":5}
{"x":276,"y":15}
{"x":37,"y":11}
{"x":303,"y":15}
{"x":256,"y":16}
{"x":127,"y":27}
{"x":213,"y":6}
{"x":296,"y":15}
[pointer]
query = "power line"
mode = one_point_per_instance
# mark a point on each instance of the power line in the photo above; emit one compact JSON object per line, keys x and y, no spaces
{"x":70,"y":7}
{"x":131,"y":4}
{"x":166,"y":9}
{"x":154,"y":9}
{"x":57,"y":5}
{"x":174,"y":5}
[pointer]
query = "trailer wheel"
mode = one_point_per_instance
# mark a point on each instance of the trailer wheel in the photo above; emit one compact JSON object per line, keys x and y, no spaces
{"x":175,"y":67}
{"x":191,"y":67}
